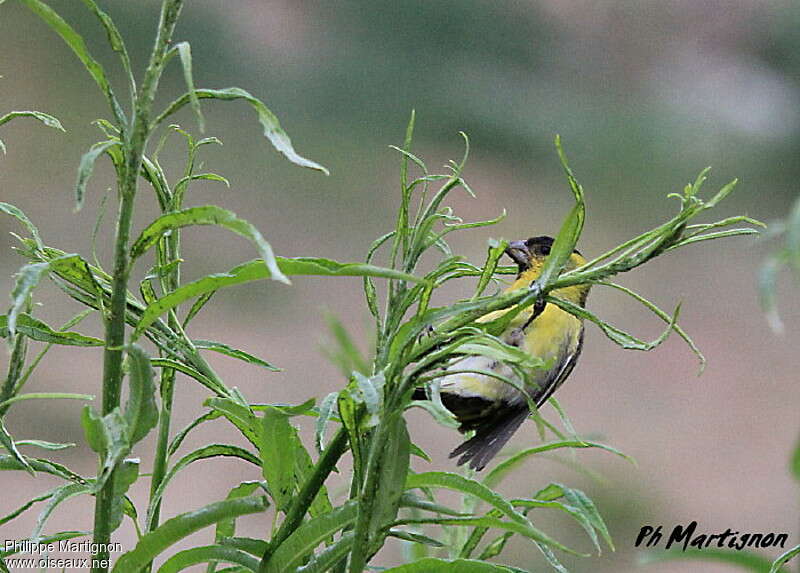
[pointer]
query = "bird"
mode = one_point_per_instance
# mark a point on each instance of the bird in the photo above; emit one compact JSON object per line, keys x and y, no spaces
{"x":494,"y":409}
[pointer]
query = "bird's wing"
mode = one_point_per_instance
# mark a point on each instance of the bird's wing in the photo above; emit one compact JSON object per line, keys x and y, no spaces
{"x":567,"y":364}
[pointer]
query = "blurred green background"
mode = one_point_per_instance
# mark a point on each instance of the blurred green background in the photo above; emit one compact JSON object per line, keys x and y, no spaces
{"x":644,"y":94}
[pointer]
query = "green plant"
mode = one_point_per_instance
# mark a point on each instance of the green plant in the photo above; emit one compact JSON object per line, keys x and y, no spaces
{"x":413,"y":341}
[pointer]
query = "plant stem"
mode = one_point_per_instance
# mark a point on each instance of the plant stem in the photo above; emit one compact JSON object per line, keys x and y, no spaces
{"x":325,"y":465}
{"x":135,"y":140}
{"x":362,"y":543}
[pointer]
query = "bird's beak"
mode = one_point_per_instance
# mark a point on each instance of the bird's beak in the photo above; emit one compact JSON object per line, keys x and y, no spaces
{"x":519,"y":253}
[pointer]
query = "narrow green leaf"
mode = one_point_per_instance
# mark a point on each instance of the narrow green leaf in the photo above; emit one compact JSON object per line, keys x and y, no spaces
{"x":308,"y":536}
{"x":257,"y":270}
{"x":37,"y":330}
{"x":234,"y":353}
{"x":78,"y":46}
{"x":173,"y":530}
{"x":86,"y":167}
{"x":207,"y":215}
{"x":795,"y":462}
{"x":185,"y":53}
{"x":272,"y":128}
{"x":141,"y":412}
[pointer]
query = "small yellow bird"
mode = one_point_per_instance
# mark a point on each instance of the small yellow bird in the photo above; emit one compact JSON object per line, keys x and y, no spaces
{"x":491,"y":407}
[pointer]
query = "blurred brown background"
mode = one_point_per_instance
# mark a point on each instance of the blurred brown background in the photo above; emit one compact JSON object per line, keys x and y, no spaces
{"x":644,"y":95}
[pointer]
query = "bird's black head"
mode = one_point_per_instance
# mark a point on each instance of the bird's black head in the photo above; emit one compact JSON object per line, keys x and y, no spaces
{"x":524,"y":253}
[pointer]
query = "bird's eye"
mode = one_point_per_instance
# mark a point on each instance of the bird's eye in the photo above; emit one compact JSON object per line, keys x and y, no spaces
{"x":544,"y":250}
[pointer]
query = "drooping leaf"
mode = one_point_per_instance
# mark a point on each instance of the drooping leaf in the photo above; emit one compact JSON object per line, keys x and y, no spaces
{"x":185,"y":53}
{"x":272,"y":128}
{"x":86,"y":167}
{"x":207,"y":215}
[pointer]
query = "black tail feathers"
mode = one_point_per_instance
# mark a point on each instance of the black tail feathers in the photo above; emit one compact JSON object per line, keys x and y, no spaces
{"x":490,"y":437}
